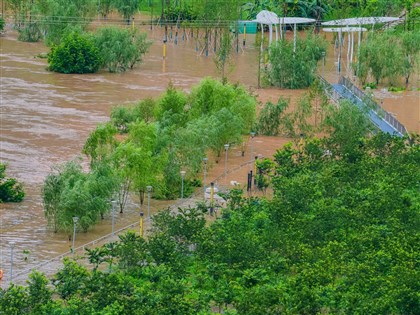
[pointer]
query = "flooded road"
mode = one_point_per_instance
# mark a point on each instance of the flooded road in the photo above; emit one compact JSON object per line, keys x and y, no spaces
{"x":45,"y":118}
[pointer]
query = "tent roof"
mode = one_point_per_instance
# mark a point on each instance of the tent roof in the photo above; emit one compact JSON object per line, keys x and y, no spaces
{"x":361,"y":21}
{"x":267,"y":17}
{"x":295,"y":20}
{"x":344,"y":29}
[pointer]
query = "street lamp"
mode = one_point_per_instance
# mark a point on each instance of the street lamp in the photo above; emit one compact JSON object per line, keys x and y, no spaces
{"x":205,"y":173}
{"x":149,"y":190}
{"x":226,"y":156}
{"x":75,"y":220}
{"x":141,"y":224}
{"x":114,"y":204}
{"x":323,"y":63}
{"x":12,"y":246}
{"x":182,"y":184}
{"x":252,"y":145}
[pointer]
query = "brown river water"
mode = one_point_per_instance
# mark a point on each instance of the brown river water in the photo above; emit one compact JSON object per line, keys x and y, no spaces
{"x":46,"y":117}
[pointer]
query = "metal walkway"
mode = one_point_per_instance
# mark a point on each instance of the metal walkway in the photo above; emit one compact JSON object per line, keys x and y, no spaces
{"x":381,"y":119}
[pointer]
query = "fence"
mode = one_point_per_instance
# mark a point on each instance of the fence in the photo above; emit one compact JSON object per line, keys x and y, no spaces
{"x":329,"y":90}
{"x":368,"y":101}
{"x":50,"y":266}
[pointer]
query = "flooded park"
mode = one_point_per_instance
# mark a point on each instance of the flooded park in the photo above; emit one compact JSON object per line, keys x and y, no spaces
{"x":46,"y":118}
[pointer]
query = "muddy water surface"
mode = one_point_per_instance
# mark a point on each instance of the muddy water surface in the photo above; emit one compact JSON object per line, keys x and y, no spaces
{"x":46,"y":117}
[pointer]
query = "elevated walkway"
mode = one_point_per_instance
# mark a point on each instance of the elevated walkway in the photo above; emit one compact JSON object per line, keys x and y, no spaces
{"x":381,"y":119}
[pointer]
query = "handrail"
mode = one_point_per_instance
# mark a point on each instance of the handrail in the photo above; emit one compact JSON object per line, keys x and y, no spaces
{"x":371,"y":104}
{"x":108,"y":236}
{"x":329,"y":90}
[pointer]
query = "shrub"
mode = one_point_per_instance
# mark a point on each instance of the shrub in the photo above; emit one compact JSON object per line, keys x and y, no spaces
{"x":294,"y":69}
{"x":76,"y":53}
{"x":2,"y":23}
{"x":270,"y":117}
{"x":10,"y":189}
{"x":31,"y":32}
{"x":121,"y":49}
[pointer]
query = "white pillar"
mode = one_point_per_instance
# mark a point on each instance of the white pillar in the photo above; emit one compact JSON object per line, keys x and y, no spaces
{"x":294,"y":38}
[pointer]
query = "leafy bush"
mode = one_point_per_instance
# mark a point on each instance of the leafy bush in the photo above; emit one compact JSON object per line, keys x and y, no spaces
{"x":389,"y":55}
{"x":270,"y":117}
{"x":76,"y":53}
{"x":123,"y":116}
{"x":121,"y":49}
{"x":371,"y":85}
{"x":31,"y":32}
{"x":294,"y":69}
{"x":60,"y":17}
{"x":2,"y":23}
{"x":10,"y":189}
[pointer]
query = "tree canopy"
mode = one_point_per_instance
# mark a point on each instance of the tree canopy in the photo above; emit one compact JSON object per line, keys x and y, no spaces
{"x":339,"y":236}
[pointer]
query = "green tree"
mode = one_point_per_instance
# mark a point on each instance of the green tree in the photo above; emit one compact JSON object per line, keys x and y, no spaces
{"x":10,"y":189}
{"x":294,"y":68}
{"x":2,"y":23}
{"x":121,"y":49}
{"x":76,"y":53}
{"x":382,"y":57}
{"x":269,"y":119}
{"x":69,"y":192}
{"x":61,"y":17}
{"x":100,"y":143}
{"x":410,"y":42}
{"x":127,"y":8}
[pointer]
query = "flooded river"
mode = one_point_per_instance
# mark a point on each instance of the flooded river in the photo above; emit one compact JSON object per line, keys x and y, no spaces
{"x":46,"y":117}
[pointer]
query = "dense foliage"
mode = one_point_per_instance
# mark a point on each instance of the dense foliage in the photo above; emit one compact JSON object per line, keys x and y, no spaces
{"x":294,"y":68}
{"x":76,"y":53}
{"x":339,"y":237}
{"x":2,"y":23}
{"x":162,"y":137}
{"x":120,"y":49}
{"x":69,"y":192}
{"x":10,"y":189}
{"x":389,"y":56}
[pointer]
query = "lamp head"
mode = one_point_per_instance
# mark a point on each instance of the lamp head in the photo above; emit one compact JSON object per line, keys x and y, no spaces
{"x":226,"y":146}
{"x":149,"y":188}
{"x":75,"y":220}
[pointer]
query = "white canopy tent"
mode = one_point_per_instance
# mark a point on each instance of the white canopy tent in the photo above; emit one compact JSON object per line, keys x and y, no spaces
{"x":294,"y":21}
{"x":270,"y":18}
{"x":267,"y":18}
{"x":350,"y":46}
{"x":361,"y":21}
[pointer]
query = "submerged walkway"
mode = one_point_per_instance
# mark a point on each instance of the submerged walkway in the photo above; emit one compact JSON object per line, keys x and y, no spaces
{"x":381,"y":119}
{"x":51,"y":266}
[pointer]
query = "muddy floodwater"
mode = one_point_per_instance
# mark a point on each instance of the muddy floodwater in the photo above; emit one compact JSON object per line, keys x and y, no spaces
{"x":46,"y":117}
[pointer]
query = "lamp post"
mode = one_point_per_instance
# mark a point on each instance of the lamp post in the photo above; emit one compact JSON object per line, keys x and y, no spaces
{"x":114,"y":204}
{"x":323,"y":63}
{"x":226,"y":156}
{"x":205,"y":174}
{"x":252,"y":145}
{"x":12,"y":246}
{"x":149,"y":190}
{"x":182,"y":184}
{"x":141,"y":223}
{"x":75,"y":220}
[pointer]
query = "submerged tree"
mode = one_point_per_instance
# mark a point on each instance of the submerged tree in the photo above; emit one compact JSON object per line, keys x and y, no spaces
{"x":294,"y":68}
{"x":10,"y":189}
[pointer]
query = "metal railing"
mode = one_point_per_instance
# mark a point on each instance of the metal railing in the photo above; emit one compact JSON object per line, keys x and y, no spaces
{"x":21,"y":276}
{"x":371,"y":104}
{"x":329,"y":90}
